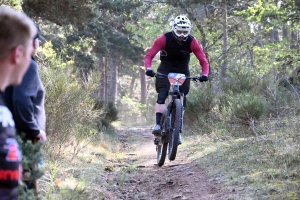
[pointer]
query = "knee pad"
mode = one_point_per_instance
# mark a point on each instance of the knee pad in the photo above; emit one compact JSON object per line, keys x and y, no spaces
{"x":162,"y":95}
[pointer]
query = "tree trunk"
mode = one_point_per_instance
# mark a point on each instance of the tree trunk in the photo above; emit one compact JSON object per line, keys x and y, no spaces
{"x":297,"y":3}
{"x":101,"y":69}
{"x":225,"y":44}
{"x":106,"y":84}
{"x":143,"y":86}
{"x":294,"y":39}
{"x":113,"y":82}
{"x":149,"y":83}
{"x":275,"y":36}
{"x":251,"y":55}
{"x":131,"y":87}
{"x":284,"y":32}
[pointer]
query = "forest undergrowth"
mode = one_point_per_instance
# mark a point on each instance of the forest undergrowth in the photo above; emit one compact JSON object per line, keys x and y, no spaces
{"x":264,"y":165}
{"x":245,"y":139}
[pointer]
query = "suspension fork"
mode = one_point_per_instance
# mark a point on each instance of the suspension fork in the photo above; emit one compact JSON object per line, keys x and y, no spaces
{"x":182,"y":111}
{"x":168,"y":122}
{"x":169,"y":109}
{"x":175,"y":94}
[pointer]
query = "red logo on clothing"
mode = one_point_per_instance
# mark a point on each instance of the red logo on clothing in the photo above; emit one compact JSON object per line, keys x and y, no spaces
{"x":13,"y":153}
{"x":9,"y":175}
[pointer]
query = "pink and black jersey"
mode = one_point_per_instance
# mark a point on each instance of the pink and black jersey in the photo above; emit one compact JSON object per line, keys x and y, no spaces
{"x":176,"y":55}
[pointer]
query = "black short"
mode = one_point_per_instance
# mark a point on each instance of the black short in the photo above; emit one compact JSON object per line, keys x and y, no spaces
{"x":163,"y":82}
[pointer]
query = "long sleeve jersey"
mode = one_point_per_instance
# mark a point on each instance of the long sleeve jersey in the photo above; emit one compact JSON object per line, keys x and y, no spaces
{"x":163,"y":41}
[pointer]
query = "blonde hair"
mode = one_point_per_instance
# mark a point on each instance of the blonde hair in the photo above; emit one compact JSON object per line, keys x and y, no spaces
{"x":16,"y":28}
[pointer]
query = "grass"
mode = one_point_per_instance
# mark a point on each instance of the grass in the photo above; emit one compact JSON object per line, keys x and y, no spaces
{"x":89,"y":174}
{"x":261,"y":166}
{"x":80,"y":176}
{"x":261,"y":163}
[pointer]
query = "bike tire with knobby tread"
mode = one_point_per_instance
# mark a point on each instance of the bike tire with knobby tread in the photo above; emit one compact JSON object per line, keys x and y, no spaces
{"x":176,"y":113}
{"x":162,"y":147}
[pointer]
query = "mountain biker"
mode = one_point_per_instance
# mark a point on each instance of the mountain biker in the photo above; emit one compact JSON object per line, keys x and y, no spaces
{"x":175,"y":48}
{"x":16,"y":33}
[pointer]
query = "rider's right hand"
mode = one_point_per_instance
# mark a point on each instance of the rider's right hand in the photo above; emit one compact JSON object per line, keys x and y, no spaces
{"x":150,"y":73}
{"x":203,"y":78}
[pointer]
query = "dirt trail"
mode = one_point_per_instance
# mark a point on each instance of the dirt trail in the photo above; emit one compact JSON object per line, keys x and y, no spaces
{"x":179,"y":179}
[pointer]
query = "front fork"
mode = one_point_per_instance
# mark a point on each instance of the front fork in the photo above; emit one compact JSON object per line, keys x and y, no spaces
{"x":182,"y":111}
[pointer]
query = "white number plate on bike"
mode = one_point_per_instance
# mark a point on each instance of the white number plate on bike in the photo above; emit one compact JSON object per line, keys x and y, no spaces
{"x":176,"y":78}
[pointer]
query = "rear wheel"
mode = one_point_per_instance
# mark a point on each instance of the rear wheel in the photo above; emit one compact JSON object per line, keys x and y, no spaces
{"x":162,"y":146}
{"x":175,"y":128}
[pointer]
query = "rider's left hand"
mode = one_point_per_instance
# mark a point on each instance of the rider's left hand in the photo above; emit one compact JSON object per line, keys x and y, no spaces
{"x":203,"y":78}
{"x":150,"y":73}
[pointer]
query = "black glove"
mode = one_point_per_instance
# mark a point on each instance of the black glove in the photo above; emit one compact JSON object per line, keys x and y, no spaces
{"x":203,"y":78}
{"x":150,"y":72}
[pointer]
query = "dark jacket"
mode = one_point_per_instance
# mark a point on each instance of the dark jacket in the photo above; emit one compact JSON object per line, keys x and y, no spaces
{"x":26,"y":102}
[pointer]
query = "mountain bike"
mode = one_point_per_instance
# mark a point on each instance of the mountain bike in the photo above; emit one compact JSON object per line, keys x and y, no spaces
{"x":172,"y":118}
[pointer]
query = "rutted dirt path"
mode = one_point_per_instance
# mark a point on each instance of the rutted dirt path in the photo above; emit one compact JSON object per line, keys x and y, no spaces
{"x":137,"y":176}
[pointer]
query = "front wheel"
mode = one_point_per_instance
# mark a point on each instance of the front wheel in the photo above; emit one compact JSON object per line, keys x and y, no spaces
{"x":176,"y":113}
{"x":162,"y":146}
{"x":161,"y":153}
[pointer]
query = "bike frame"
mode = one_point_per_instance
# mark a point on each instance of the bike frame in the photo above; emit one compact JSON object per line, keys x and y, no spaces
{"x":174,"y":93}
{"x":172,"y":119}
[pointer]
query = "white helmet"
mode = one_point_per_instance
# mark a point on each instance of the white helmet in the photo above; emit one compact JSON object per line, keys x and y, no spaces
{"x":181,"y":26}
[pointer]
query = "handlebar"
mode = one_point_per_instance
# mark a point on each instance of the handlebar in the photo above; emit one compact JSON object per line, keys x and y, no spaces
{"x":194,"y":78}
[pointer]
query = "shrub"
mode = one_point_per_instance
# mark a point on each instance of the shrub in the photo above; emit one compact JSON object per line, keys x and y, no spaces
{"x":69,"y":109}
{"x":281,"y":101}
{"x":109,"y":115}
{"x":224,"y":105}
{"x":241,"y":79}
{"x":200,"y":101}
{"x":31,"y":155}
{"x":246,"y":107}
